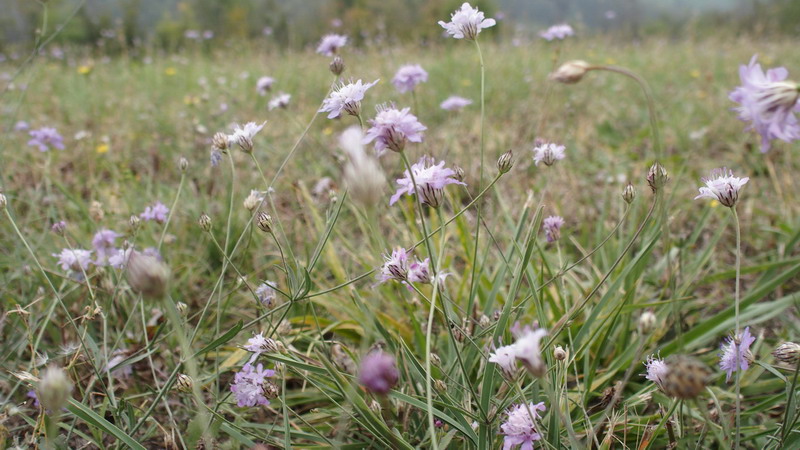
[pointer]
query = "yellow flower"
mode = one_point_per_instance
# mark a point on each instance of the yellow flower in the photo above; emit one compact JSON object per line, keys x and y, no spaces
{"x":101,"y":149}
{"x":191,"y":100}
{"x":611,"y":61}
{"x":466,"y":82}
{"x":170,"y":71}
{"x":695,"y":73}
{"x":327,"y":131}
{"x":84,"y":70}
{"x":714,"y":203}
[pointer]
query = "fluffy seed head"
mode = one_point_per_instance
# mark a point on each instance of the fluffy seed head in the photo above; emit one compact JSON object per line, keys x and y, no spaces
{"x":147,"y":275}
{"x":685,"y":378}
{"x":571,"y":72}
{"x":788,"y":352}
{"x":505,"y":162}
{"x":205,"y":222}
{"x":629,"y":193}
{"x":657,"y":176}
{"x":54,"y":389}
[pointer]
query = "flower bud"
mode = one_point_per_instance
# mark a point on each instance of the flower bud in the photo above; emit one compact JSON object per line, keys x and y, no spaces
{"x":571,"y":72}
{"x":375,"y":406}
{"x":505,"y":162}
{"x":220,"y":142}
{"x":134,"y":223}
{"x":788,"y":352}
{"x":184,"y":383}
{"x":205,"y":222}
{"x":657,"y":176}
{"x":264,"y":222}
{"x":182,"y":307}
{"x":647,"y":322}
{"x":559,"y":353}
{"x":147,"y":275}
{"x":435,"y":360}
{"x":183,"y":163}
{"x":96,"y":211}
{"x":270,"y":389}
{"x":459,"y":173}
{"x":59,"y":227}
{"x":3,"y":201}
{"x":245,"y":143}
{"x":629,"y":193}
{"x":484,"y":321}
{"x":337,"y":65}
{"x":54,"y":389}
{"x":440,"y":385}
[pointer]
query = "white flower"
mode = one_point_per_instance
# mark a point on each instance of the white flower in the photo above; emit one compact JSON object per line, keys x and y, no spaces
{"x":506,"y":358}
{"x":656,"y":370}
{"x":266,"y":293}
{"x":548,"y":153}
{"x":528,"y":351}
{"x":723,"y":187}
{"x":264,"y":84}
{"x":244,"y":135}
{"x":466,"y":22}
{"x":279,"y":101}
{"x":331,"y":43}
{"x":347,"y":98}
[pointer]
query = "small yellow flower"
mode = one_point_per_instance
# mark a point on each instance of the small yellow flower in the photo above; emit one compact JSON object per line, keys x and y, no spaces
{"x":466,"y":82}
{"x":170,"y":71}
{"x":190,"y":100}
{"x":714,"y":203}
{"x":611,"y":61}
{"x":695,"y":73}
{"x":84,"y":70}
{"x":101,"y":149}
{"x":327,"y":131}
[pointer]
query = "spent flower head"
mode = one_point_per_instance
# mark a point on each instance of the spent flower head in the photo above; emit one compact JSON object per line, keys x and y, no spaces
{"x":54,"y":389}
{"x":466,"y":23}
{"x":723,"y":187}
{"x":570,"y":72}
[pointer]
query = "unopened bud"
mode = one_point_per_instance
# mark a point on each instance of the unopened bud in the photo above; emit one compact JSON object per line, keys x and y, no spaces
{"x":459,"y":173}
{"x":245,"y":143}
{"x":184,"y":383}
{"x":375,"y":406}
{"x":435,"y":360}
{"x":54,"y":389}
{"x":134,"y":222}
{"x":59,"y":227}
{"x":484,"y":321}
{"x":559,"y":353}
{"x":505,"y":162}
{"x":96,"y":211}
{"x":205,"y":222}
{"x":571,"y":72}
{"x":788,"y":352}
{"x":264,"y":222}
{"x":270,"y":389}
{"x":337,"y":65}
{"x":647,"y":322}
{"x":220,"y":142}
{"x":147,"y":275}
{"x":629,"y":193}
{"x":440,"y":385}
{"x":183,"y":163}
{"x":657,"y":176}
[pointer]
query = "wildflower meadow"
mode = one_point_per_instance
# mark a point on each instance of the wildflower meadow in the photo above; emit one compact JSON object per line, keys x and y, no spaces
{"x":570,"y":241}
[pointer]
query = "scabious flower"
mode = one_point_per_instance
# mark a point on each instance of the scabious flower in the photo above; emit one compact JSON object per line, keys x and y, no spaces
{"x":331,"y":43}
{"x":378,"y":373}
{"x":454,"y":103}
{"x":392,"y":128}
{"x":506,"y":358}
{"x":258,"y":344}
{"x":528,"y":351}
{"x":249,"y":383}
{"x":347,"y":98}
{"x":552,"y":227}
{"x":430,"y":181}
{"x":120,"y":258}
{"x":157,"y":211}
{"x":548,"y":153}
{"x":520,"y":427}
{"x":768,"y":101}
{"x":363,"y":175}
{"x":559,"y":32}
{"x":266,"y":293}
{"x":74,"y":260}
{"x":656,"y":370}
{"x":46,"y":138}
{"x":723,"y":187}
{"x":279,"y":101}
{"x":419,"y":272}
{"x":395,"y":266}
{"x":103,"y":243}
{"x":264,"y":84}
{"x":21,"y":125}
{"x":466,"y":23}
{"x":408,"y":77}
{"x":243,"y":135}
{"x":736,"y":354}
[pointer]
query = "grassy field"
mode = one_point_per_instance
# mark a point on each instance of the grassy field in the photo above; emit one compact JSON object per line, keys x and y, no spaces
{"x":126,"y":123}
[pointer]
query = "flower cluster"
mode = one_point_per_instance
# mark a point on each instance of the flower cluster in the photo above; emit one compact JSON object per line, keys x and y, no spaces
{"x":392,"y":128}
{"x":430,"y":181}
{"x":264,"y":85}
{"x":552,"y":227}
{"x":279,"y":101}
{"x":520,"y":426}
{"x":526,"y":349}
{"x":46,"y":138}
{"x":249,"y":385}
{"x":455,"y":103}
{"x":157,"y":212}
{"x":378,"y":372}
{"x":736,"y":354}
{"x":557,"y":32}
{"x":266,"y":293}
{"x":466,"y":23}
{"x":408,"y":77}
{"x":548,"y":153}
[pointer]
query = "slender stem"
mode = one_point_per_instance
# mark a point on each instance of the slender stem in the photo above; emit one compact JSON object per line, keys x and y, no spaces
{"x":737,"y":330}
{"x":418,"y":201}
{"x":171,"y":210}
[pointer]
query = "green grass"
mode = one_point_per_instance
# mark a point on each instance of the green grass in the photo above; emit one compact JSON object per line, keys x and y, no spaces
{"x":150,"y":114}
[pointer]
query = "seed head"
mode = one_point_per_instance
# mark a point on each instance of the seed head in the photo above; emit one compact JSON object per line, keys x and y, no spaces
{"x":3,"y":201}
{"x":270,"y":389}
{"x":629,"y":193}
{"x":337,"y":65}
{"x":183,"y":163}
{"x":147,"y":275}
{"x":505,"y":162}
{"x":264,"y":222}
{"x":54,"y":389}
{"x":459,"y":173}
{"x":571,"y":72}
{"x":205,"y":222}
{"x":788,"y":352}
{"x":184,"y":383}
{"x":96,"y":211}
{"x":685,"y":378}
{"x":220,"y":141}
{"x":647,"y":322}
{"x":134,"y":223}
{"x":559,"y":353}
{"x":657,"y":176}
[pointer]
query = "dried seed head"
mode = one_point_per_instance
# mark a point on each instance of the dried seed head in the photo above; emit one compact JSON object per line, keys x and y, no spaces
{"x":182,"y":307}
{"x":54,"y":389}
{"x":788,"y":352}
{"x":435,"y":360}
{"x":264,"y":222}
{"x":134,"y":223}
{"x":571,"y":72}
{"x":271,"y":389}
{"x":685,"y":378}
{"x":459,"y":173}
{"x":657,"y":176}
{"x":647,"y":322}
{"x":505,"y":162}
{"x":629,"y":193}
{"x":147,"y":275}
{"x":440,"y":385}
{"x":183,"y":163}
{"x":96,"y":211}
{"x":559,"y":353}
{"x":342,"y":360}
{"x":484,"y":321}
{"x":337,"y":65}
{"x":184,"y":383}
{"x":220,"y":142}
{"x":205,"y":222}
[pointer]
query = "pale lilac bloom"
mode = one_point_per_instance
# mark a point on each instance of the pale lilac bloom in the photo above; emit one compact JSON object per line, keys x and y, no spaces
{"x":74,"y":260}
{"x":466,"y":22}
{"x":103,"y":243}
{"x":21,"y":125}
{"x":120,"y":258}
{"x":455,"y":103}
{"x":430,"y":181}
{"x":264,"y":84}
{"x":336,"y":23}
{"x":248,"y":385}
{"x":506,"y":358}
{"x":347,"y":98}
{"x":215,"y":157}
{"x":208,"y":34}
{"x":611,"y":15}
{"x":419,"y":272}
{"x":520,"y":427}
{"x":378,"y":373}
{"x":548,"y":153}
{"x":736,"y":354}
{"x":153,"y":253}
{"x":266,"y":293}
{"x":408,"y":77}
{"x":559,"y":32}
{"x":192,"y":34}
{"x":158,"y":212}
{"x":331,"y":43}
{"x":59,"y":227}
{"x":257,"y":344}
{"x":392,"y":128}
{"x":723,"y":187}
{"x":528,"y":350}
{"x":552,"y":227}
{"x":46,"y":138}
{"x":243,"y":134}
{"x":769,"y":102}
{"x":279,"y":101}
{"x":395,"y":266}
{"x":656,"y":370}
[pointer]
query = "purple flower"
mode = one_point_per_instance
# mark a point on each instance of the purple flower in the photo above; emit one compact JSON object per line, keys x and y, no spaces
{"x":103,"y":243}
{"x":243,"y":135}
{"x":158,"y":212}
{"x":552,"y":227}
{"x":559,"y":32}
{"x":215,"y":157}
{"x":548,"y":153}
{"x":378,"y":372}
{"x":430,"y":181}
{"x":208,"y":34}
{"x":331,"y":43}
{"x":768,"y":101}
{"x":506,"y":358}
{"x":528,"y":350}
{"x":455,"y":103}
{"x":520,"y":427}
{"x":408,"y":77}
{"x":74,"y":260}
{"x":264,"y":84}
{"x":59,"y":227}
{"x":248,"y":385}
{"x":736,"y":354}
{"x":266,"y":293}
{"x":21,"y":125}
{"x":279,"y":101}
{"x":392,"y":128}
{"x":466,"y":23}
{"x":120,"y":258}
{"x":395,"y":266}
{"x":347,"y":98}
{"x":656,"y":370}
{"x":419,"y":272}
{"x":723,"y":187}
{"x":46,"y":138}
{"x":32,"y":394}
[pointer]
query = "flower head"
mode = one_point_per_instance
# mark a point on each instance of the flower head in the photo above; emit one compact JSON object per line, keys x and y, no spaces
{"x":259,"y":344}
{"x":243,"y":135}
{"x":736,"y":354}
{"x":103,"y":243}
{"x":408,"y":77}
{"x":249,"y":383}
{"x":120,"y":258}
{"x":363,"y":174}
{"x":158,"y":212}
{"x":430,"y":181}
{"x":378,"y":372}
{"x":419,"y":272}
{"x":506,"y":358}
{"x":392,"y":128}
{"x":54,"y":389}
{"x":455,"y":103}
{"x":656,"y":370}
{"x":279,"y":101}
{"x":723,"y":187}
{"x":768,"y":101}
{"x":548,"y":153}
{"x":74,"y":260}
{"x":395,"y":266}
{"x":528,"y":351}
{"x":331,"y":43}
{"x":552,"y":227}
{"x":347,"y":98}
{"x":559,"y":32}
{"x":520,"y":427}
{"x":466,"y":22}
{"x":46,"y":138}
{"x":264,"y":84}
{"x":266,"y":293}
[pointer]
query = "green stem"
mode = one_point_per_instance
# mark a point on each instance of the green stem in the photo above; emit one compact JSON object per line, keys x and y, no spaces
{"x":171,"y":211}
{"x":737,"y":336}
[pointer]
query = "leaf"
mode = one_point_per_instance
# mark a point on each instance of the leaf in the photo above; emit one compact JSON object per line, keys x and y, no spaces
{"x":92,"y":418}
{"x":230,"y":334}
